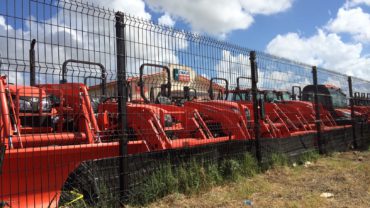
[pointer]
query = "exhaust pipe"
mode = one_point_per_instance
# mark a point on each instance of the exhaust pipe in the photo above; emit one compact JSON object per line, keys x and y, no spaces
{"x":32,"y":63}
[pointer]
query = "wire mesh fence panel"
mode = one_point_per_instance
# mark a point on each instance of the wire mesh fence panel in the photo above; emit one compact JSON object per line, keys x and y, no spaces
{"x":51,"y":53}
{"x":360,"y":107}
{"x":181,"y":91}
{"x":361,"y":91}
{"x":78,"y":79}
{"x":177,"y":84}
{"x":101,"y":108}
{"x":334,"y":99}
{"x":286,"y":111}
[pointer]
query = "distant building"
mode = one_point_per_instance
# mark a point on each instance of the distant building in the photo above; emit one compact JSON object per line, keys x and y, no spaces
{"x":181,"y":76}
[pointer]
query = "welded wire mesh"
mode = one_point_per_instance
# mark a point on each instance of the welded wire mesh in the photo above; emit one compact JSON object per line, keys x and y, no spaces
{"x":99,"y":107}
{"x":280,"y":84}
{"x":185,"y":78}
{"x":49,"y":128}
{"x":334,"y":100}
{"x":361,"y":89}
{"x":360,"y":99}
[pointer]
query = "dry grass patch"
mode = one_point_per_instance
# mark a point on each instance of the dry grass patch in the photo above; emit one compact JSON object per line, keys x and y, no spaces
{"x":346,"y":175}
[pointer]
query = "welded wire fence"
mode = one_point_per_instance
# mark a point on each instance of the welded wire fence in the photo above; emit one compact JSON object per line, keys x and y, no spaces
{"x":49,"y":119}
{"x":100,"y":108}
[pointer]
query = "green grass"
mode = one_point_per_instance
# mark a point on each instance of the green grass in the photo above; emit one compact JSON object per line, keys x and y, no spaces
{"x":160,"y":183}
{"x":197,"y":176}
{"x":249,"y":165}
{"x":279,"y":159}
{"x":275,"y":160}
{"x":311,"y":156}
{"x":77,"y":200}
{"x":230,"y":169}
{"x":192,"y":178}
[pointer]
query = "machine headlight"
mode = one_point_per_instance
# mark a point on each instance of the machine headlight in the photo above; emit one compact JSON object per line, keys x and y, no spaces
{"x":168,"y":120}
{"x":46,"y":104}
{"x":25,"y":105}
{"x":32,"y":104}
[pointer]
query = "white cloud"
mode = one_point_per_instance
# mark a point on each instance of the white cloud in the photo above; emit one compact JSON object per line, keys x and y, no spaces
{"x":326,"y":48}
{"x":271,"y":76}
{"x":3,"y":24}
{"x":322,"y":49}
{"x":145,"y":45}
{"x":10,"y":50}
{"x":266,"y":7}
{"x":219,"y":17}
{"x":69,"y":34}
{"x":132,"y":7}
{"x":215,"y":17}
{"x":281,"y":79}
{"x":335,"y":82}
{"x":232,"y":66}
{"x":166,"y":20}
{"x":151,"y":46}
{"x":353,"y":21}
{"x":351,"y":3}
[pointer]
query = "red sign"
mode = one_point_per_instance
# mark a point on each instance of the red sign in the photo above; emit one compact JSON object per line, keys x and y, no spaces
{"x":181,"y":75}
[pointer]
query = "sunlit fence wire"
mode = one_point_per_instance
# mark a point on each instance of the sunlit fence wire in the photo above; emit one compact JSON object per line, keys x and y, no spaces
{"x":100,"y":108}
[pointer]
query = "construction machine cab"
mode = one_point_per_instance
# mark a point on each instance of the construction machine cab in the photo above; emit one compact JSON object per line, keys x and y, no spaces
{"x":239,"y":94}
{"x":164,"y":96}
{"x":332,"y":99}
{"x":296,"y":95}
{"x":30,"y":106}
{"x":31,"y":101}
{"x":221,"y":94}
{"x":276,"y":96}
{"x":94,"y":100}
{"x":245,"y":95}
{"x":188,"y":95}
{"x":329,"y":96}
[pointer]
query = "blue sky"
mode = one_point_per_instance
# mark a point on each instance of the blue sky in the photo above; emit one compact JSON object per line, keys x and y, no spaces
{"x":330,"y":34}
{"x":303,"y":17}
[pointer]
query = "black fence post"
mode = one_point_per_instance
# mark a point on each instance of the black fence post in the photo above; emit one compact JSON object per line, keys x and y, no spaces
{"x":122,"y":100}
{"x":353,"y":119}
{"x":32,"y":63}
{"x":254,"y":75}
{"x":317,"y":112}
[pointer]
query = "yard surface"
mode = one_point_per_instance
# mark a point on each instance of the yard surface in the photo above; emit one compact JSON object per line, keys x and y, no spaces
{"x":345,"y":175}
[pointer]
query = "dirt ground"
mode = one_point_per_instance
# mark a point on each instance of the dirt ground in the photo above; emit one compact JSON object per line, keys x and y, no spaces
{"x":345,"y":175}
